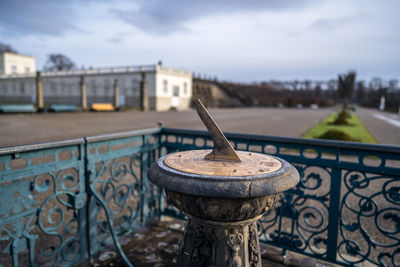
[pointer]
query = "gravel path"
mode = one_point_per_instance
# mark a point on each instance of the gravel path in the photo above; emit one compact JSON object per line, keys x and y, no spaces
{"x":21,"y":129}
{"x":381,"y":125}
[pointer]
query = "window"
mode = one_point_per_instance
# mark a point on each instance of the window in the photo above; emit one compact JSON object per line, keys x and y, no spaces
{"x":93,"y":86}
{"x":176,"y":91}
{"x":165,"y":86}
{"x":135,"y":84}
{"x":107,"y":87}
{"x":185,"y":88}
{"x":53,"y":88}
{"x":22,"y":87}
{"x":27,"y":70}
{"x":135,"y":88}
{"x":13,"y":69}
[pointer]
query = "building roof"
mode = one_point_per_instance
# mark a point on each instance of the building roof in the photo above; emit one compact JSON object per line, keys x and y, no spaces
{"x":105,"y":70}
{"x":15,"y":54}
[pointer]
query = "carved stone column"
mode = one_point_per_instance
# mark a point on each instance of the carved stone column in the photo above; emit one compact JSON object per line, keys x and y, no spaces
{"x":210,"y":243}
{"x":144,"y":93}
{"x":39,"y":91}
{"x":82,"y":85}
{"x":116,"y":94}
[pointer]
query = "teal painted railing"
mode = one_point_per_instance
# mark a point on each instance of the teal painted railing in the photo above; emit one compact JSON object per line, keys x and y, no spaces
{"x":61,"y":202}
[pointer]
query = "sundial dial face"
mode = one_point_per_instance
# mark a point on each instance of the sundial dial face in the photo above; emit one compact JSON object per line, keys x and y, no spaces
{"x":223,"y":160}
{"x":250,"y":164}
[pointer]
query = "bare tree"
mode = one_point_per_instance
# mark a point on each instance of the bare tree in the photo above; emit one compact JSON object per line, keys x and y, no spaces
{"x":294,"y":84}
{"x":346,"y":87}
{"x":7,"y":48}
{"x":332,"y":84}
{"x":307,"y":84}
{"x":393,"y":84}
{"x":361,"y":92}
{"x":317,"y":91}
{"x":375,"y":83}
{"x":58,"y":62}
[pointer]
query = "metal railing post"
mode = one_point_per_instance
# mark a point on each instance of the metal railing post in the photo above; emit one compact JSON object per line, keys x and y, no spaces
{"x":334,"y":206}
{"x":144,"y":161}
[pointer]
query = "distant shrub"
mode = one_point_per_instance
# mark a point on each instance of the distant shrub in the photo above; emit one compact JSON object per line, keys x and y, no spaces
{"x":336,"y":135}
{"x":325,"y":102}
{"x":341,"y":118}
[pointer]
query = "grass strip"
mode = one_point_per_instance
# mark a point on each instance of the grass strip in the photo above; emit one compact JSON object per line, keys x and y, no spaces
{"x":356,"y":129}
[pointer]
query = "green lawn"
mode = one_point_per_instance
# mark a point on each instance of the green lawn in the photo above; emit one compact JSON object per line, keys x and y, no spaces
{"x":356,"y":130}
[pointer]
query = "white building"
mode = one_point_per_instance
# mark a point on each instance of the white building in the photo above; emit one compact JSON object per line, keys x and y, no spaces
{"x":168,"y":88}
{"x":12,"y":63}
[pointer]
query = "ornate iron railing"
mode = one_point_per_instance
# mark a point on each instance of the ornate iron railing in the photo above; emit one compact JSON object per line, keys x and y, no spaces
{"x":61,"y":202}
{"x":43,"y":203}
{"x":346,"y":208}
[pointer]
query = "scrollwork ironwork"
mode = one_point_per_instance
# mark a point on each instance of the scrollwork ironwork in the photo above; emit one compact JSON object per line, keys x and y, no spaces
{"x":42,"y":215}
{"x":366,"y":211}
{"x":370,"y":219}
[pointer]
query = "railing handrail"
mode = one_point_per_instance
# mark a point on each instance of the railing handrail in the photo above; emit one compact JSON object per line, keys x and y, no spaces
{"x":112,"y":136}
{"x":254,"y":137}
{"x":76,"y":141}
{"x":293,"y":140}
{"x":38,"y":146}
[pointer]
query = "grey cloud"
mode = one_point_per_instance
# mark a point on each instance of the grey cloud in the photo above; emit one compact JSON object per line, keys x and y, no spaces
{"x":37,"y":17}
{"x":168,"y":16}
{"x":327,"y":25}
{"x":118,"y":37}
{"x":116,"y":40}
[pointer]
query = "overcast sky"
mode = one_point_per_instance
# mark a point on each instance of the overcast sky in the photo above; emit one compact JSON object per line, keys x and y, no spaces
{"x":250,"y":40}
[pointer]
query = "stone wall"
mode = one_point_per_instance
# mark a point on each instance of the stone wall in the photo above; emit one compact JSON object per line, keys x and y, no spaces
{"x":212,"y":94}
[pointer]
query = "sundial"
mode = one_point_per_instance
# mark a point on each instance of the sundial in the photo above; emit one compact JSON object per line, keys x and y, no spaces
{"x":223,"y":192}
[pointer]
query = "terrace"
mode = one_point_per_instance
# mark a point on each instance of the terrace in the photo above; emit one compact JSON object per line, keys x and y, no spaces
{"x":73,"y":202}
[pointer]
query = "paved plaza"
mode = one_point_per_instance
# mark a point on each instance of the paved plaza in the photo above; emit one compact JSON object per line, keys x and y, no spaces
{"x":19,"y":129}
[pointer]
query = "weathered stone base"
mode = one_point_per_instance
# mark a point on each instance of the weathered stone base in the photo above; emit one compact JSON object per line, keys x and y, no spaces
{"x":210,"y":243}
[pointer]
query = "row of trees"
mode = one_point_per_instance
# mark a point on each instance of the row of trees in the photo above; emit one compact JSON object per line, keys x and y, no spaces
{"x":346,"y":89}
{"x":368,"y":96}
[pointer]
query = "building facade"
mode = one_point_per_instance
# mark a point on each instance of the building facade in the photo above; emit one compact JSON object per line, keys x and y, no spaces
{"x":167,"y":88}
{"x":12,"y":63}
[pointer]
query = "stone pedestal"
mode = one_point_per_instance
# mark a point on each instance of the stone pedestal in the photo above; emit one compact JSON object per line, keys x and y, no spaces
{"x":221,"y":231}
{"x":223,"y":192}
{"x":220,"y":244}
{"x":223,"y":201}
